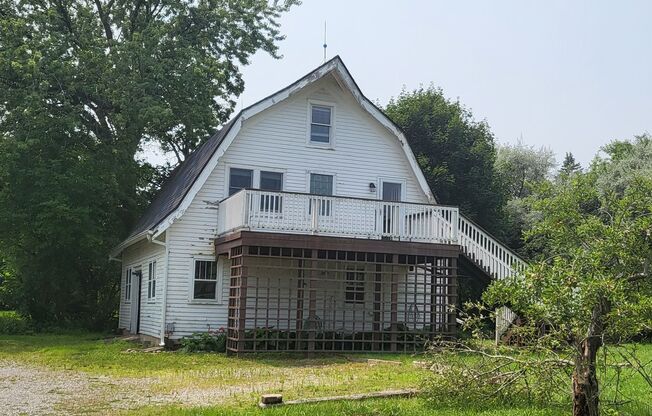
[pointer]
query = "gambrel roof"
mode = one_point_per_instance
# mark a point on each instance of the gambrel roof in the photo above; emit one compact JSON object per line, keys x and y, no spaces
{"x":178,"y":191}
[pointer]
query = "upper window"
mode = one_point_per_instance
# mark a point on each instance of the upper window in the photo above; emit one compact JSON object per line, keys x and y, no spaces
{"x":151,"y":281}
{"x":321,"y":184}
{"x":205,"y":283}
{"x":239,"y":179}
{"x":271,"y":181}
{"x":320,"y":124}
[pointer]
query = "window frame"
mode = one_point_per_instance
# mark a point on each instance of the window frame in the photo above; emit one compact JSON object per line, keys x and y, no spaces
{"x":319,"y":172}
{"x":266,"y":170}
{"x":152,"y":275}
{"x":390,"y":179}
{"x":331,"y":131}
{"x":219,"y":281}
{"x":228,"y":185}
{"x":355,"y":286}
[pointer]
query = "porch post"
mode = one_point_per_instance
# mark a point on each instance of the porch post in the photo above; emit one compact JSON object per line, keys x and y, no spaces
{"x":394,"y":305}
{"x":300,"y":289}
{"x":452,"y":296}
{"x":312,"y":302}
{"x":377,"y":336}
{"x":242,"y":301}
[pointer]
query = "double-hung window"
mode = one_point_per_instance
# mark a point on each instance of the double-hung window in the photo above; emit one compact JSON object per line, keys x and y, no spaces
{"x":320,"y":124}
{"x":239,"y":179}
{"x":271,"y":181}
{"x":151,"y":281}
{"x":128,"y":278}
{"x":321,"y":185}
{"x":205,"y":280}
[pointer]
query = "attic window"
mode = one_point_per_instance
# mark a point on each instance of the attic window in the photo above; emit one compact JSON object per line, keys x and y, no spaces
{"x":320,"y":124}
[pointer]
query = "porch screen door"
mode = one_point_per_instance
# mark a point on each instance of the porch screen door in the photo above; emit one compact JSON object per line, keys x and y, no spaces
{"x":391,"y":192}
{"x":321,"y":185}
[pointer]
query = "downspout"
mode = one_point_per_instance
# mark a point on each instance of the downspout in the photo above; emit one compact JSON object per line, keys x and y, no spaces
{"x":165,"y":283}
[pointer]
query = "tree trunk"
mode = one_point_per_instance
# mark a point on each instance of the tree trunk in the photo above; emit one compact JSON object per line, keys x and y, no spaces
{"x":586,"y":397}
{"x":586,"y":394}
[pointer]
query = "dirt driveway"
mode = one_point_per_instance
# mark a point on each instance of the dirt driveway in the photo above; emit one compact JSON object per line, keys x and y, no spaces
{"x":28,"y":390}
{"x":32,"y":390}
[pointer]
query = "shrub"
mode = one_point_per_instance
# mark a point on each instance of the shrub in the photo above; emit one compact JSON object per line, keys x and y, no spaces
{"x":211,"y":341}
{"x":12,"y":323}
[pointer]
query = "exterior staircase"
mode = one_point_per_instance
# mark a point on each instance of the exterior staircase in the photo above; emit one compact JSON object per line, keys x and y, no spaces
{"x":494,"y":258}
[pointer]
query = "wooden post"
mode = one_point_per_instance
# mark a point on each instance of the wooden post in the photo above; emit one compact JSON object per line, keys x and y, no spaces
{"x":452,"y":296}
{"x":312,"y":302}
{"x":394,"y":305}
{"x":242,"y":304}
{"x":377,"y":302}
{"x":300,"y":289}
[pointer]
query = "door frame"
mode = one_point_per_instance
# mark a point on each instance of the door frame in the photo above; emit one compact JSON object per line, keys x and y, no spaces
{"x":389,"y":214}
{"x":134,"y":319}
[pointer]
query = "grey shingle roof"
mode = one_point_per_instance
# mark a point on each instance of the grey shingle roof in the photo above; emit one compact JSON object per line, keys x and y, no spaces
{"x":175,"y":188}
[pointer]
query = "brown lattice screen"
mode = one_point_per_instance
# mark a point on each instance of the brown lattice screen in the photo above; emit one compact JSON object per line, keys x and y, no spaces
{"x":284,"y":299}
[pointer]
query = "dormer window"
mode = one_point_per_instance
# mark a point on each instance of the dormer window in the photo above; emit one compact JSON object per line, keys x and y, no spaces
{"x":320,"y":124}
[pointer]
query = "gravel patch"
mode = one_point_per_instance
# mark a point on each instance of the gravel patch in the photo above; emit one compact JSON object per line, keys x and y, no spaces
{"x":33,"y":390}
{"x":30,"y":390}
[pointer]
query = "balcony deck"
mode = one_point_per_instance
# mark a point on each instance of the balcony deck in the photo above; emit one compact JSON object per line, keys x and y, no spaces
{"x":290,"y":240}
{"x":335,"y":216}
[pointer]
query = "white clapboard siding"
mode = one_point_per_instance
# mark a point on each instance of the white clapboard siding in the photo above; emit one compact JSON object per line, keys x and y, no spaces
{"x":276,"y":139}
{"x":138,"y":256}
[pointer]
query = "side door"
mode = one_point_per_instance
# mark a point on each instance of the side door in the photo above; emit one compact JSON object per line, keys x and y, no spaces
{"x":136,"y":293}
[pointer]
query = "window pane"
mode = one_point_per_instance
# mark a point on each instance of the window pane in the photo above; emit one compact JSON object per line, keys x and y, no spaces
{"x":321,"y":115}
{"x":205,"y":290}
{"x":391,"y":191}
{"x":355,"y":287}
{"x":205,"y":270}
{"x":240,"y":178}
{"x":321,"y":184}
{"x":319,"y":133}
{"x":271,"y":181}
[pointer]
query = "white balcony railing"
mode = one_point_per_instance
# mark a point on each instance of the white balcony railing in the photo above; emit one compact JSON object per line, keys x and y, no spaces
{"x":337,"y":216}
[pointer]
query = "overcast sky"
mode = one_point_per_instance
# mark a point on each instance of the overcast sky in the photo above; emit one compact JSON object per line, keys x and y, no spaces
{"x":568,"y":75}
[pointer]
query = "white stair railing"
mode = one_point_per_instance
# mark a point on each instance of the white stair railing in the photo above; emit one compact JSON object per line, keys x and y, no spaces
{"x":495,"y":259}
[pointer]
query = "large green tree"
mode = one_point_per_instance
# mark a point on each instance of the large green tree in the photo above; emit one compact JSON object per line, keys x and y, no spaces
{"x":592,"y":283}
{"x":83,"y":84}
{"x":521,"y":169}
{"x":455,"y":152}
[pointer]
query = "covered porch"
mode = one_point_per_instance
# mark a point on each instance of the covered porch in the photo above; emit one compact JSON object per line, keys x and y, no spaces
{"x":310,"y":293}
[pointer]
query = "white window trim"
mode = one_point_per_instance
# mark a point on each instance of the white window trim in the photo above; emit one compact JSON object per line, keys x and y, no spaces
{"x":218,"y":285}
{"x":227,"y":185}
{"x":320,"y":172}
{"x":150,"y":280}
{"x":402,"y":181}
{"x":332,"y":138}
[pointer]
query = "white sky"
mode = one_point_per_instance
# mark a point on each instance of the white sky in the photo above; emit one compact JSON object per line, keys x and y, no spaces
{"x":567,"y":75}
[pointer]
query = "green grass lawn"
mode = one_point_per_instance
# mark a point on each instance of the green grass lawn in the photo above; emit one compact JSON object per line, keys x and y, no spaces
{"x":241,"y":380}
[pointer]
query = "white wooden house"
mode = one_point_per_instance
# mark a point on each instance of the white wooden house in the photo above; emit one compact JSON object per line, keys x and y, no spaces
{"x":305,"y":223}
